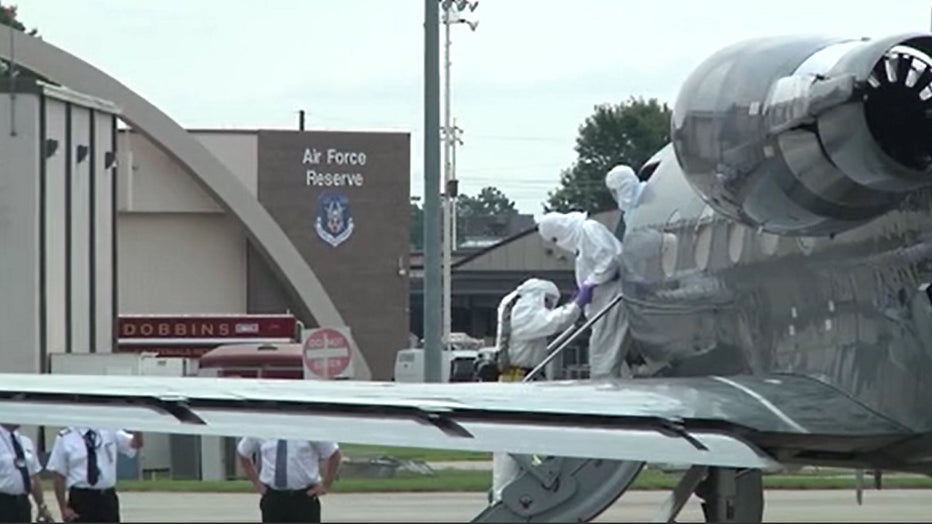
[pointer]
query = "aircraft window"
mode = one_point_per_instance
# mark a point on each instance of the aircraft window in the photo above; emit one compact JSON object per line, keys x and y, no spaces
{"x":647,"y":170}
{"x":805,"y":244}
{"x":703,"y":247}
{"x":669,"y":247}
{"x":769,"y":243}
{"x":736,"y":237}
{"x":668,"y":253}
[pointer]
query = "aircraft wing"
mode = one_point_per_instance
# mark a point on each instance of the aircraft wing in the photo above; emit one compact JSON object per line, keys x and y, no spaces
{"x":714,"y":421}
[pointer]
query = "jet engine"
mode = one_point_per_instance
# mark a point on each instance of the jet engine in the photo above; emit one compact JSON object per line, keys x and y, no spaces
{"x":808,"y":136}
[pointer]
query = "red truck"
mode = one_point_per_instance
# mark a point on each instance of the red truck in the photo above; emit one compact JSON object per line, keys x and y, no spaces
{"x":192,"y":336}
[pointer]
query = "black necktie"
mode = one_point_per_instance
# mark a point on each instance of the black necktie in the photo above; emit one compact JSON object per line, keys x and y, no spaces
{"x":93,"y":472}
{"x":20,"y":461}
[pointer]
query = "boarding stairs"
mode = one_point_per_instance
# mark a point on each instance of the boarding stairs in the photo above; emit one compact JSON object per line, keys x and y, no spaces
{"x":565,"y":489}
{"x":562,"y":489}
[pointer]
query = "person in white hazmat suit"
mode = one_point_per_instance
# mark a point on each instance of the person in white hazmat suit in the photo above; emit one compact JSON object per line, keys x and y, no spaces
{"x":598,"y":263}
{"x":526,"y":318}
{"x":626,"y":189}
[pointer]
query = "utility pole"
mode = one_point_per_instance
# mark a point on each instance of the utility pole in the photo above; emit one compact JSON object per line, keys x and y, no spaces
{"x":11,"y":15}
{"x":454,"y":182}
{"x":451,"y":16}
{"x":431,"y":288}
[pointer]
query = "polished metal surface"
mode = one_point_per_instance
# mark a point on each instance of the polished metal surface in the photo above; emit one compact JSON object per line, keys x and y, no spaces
{"x":850,"y":310}
{"x":821,"y":136}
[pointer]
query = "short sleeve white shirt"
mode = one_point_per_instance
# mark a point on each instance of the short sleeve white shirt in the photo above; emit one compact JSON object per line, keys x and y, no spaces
{"x":11,"y":480}
{"x":303,"y":463}
{"x":69,"y":456}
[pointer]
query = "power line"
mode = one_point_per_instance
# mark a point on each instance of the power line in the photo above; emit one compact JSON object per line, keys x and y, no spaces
{"x":317,"y":117}
{"x":523,"y":138}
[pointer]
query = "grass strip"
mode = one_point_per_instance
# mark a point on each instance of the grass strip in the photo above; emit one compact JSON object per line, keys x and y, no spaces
{"x":451,"y":480}
{"x":425,"y":454}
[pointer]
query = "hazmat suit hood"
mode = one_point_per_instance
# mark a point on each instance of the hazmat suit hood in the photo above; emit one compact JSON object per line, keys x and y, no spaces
{"x":533,"y":291}
{"x":625,"y":186}
{"x":540,"y":286}
{"x":565,"y":229}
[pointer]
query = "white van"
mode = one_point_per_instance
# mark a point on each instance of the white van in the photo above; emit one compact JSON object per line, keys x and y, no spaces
{"x":458,"y":364}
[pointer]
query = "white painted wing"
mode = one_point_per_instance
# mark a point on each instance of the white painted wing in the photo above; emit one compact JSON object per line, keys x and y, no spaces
{"x":681,"y":421}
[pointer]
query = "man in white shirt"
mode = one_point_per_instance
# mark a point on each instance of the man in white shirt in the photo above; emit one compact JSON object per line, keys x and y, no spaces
{"x":19,"y":476}
{"x":289,"y":479}
{"x":84,"y":461}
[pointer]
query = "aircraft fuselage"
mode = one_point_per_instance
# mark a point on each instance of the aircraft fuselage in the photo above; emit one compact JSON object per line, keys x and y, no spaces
{"x":707,"y":295}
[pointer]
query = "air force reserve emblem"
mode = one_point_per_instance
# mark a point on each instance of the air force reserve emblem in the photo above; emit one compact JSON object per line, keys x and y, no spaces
{"x":334,"y":224}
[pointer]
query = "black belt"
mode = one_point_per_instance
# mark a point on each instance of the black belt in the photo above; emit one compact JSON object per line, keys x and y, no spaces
{"x":11,"y":496}
{"x":299,"y":491}
{"x":101,"y":491}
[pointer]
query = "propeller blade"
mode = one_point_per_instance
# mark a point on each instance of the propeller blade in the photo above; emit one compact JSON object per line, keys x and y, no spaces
{"x":923,"y":80}
{"x":904,"y":63}
{"x":880,"y":71}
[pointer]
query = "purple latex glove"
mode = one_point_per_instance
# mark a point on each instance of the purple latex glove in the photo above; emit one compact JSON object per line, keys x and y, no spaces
{"x":584,"y":295}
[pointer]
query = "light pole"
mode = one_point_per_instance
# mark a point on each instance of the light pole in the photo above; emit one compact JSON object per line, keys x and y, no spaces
{"x":432,"y":297}
{"x":451,"y":15}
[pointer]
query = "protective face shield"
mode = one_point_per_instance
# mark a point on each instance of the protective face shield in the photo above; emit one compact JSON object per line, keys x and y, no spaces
{"x":624,"y":185}
{"x":563,"y":229}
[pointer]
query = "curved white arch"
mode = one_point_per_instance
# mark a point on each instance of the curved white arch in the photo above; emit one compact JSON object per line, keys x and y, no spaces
{"x":226,"y":189}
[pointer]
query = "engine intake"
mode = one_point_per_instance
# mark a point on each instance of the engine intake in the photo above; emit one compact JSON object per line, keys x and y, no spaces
{"x":808,"y":136}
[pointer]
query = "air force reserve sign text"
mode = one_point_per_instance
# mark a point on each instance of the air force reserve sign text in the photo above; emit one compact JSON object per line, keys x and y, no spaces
{"x":343,"y":200}
{"x":333,"y":167}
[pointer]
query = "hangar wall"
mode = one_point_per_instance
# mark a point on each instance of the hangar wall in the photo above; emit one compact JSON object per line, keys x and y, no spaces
{"x":55,"y":208}
{"x":19,"y":226}
{"x":178,"y":251}
{"x":181,"y":263}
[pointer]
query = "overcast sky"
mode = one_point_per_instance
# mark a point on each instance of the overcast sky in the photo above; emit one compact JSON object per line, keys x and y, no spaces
{"x":522,"y":84}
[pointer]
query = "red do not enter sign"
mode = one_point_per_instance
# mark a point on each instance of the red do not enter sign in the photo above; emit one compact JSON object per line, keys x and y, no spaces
{"x":326,"y":352}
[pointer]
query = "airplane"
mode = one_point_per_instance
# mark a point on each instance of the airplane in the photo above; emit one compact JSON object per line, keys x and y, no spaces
{"x":776,"y":275}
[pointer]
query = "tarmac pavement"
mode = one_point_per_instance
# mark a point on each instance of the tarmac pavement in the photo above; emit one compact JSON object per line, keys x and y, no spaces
{"x":636,"y":506}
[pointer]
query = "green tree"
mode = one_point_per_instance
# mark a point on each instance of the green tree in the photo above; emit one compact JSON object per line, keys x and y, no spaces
{"x":487,"y":214}
{"x":490,"y":201}
{"x":626,"y":133}
{"x":8,"y":18}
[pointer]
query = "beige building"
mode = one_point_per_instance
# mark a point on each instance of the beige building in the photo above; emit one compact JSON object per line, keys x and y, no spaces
{"x":340,"y":197}
{"x":178,"y":251}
